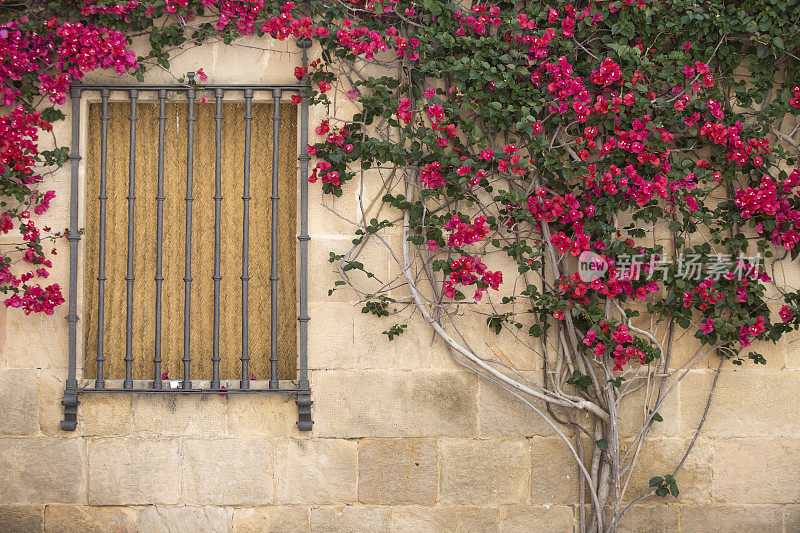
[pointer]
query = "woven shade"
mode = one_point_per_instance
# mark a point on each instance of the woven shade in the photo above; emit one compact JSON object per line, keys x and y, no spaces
{"x":202,"y":240}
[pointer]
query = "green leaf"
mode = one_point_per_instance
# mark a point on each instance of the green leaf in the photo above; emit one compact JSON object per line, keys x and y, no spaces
{"x":602,"y":444}
{"x":52,"y":114}
{"x":656,"y":481}
{"x":657,"y":417}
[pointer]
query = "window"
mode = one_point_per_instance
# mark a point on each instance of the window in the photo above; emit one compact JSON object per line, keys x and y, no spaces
{"x":202,"y":241}
{"x":191,"y":279}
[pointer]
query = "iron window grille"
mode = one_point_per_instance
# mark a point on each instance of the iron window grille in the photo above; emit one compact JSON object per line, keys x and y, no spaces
{"x":301,"y":387}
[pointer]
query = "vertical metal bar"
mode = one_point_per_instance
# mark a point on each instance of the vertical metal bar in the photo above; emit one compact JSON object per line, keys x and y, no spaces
{"x":187,"y":277}
{"x":129,"y":277}
{"x":70,"y":401}
{"x":248,"y":117}
{"x":217,"y":214}
{"x":162,"y":119}
{"x":273,"y":276}
{"x":304,"y":422}
{"x":99,"y":382}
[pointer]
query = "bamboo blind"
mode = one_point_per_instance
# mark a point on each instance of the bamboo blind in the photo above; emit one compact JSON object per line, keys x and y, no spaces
{"x":202,"y":240}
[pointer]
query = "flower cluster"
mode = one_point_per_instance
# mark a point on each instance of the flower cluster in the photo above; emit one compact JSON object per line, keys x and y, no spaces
{"x":18,"y":147}
{"x":479,"y":21}
{"x":84,"y":48}
{"x":625,"y":345}
{"x":564,"y":209}
{"x":702,"y":296}
{"x":71,"y":48}
{"x":90,"y":7}
{"x":403,"y":110}
{"x":753,"y":331}
{"x":362,"y":41}
{"x":617,"y":283}
{"x":323,"y":170}
{"x":769,"y":201}
{"x":608,"y":73}
{"x":470,"y":270}
{"x":464,"y":233}
{"x":794,"y":100}
{"x":431,"y":175}
{"x":287,"y":25}
{"x":739,"y":151}
{"x":35,"y":299}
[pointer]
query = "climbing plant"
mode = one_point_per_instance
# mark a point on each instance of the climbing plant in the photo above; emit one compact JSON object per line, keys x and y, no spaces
{"x":598,"y":180}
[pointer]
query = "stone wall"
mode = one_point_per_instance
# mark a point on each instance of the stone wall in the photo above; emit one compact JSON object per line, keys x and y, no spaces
{"x":404,"y":439}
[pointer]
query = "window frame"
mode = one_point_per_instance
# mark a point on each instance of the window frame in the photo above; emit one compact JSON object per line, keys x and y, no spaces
{"x":299,"y":388}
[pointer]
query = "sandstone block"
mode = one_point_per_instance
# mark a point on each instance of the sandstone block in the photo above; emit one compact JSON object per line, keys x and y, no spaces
{"x":262,"y":415}
{"x":632,"y":413}
{"x":394,"y":404}
{"x":175,"y":415}
{"x":234,"y":471}
{"x":321,"y":221}
{"x":485,"y":472}
{"x":19,"y":396}
{"x":374,"y":256}
{"x":791,"y":350}
{"x":661,"y":456}
{"x":646,"y":517}
{"x":21,"y":518}
{"x":353,"y":519}
{"x":42,"y":470}
{"x":757,"y":470}
{"x":376,"y":182}
{"x":322,"y":471}
{"x":398,"y":471}
{"x":104,"y":415}
{"x":51,"y":391}
{"x":37,"y":340}
{"x":155,"y":519}
{"x":745,"y":403}
{"x":330,"y":335}
{"x":458,"y":519}
{"x":279,"y":519}
{"x":725,"y":518}
{"x":480,"y":338}
{"x":81,"y":519}
{"x":409,"y":350}
{"x":134,"y":471}
{"x":555,"y":472}
{"x":523,"y":518}
{"x":505,"y":415}
{"x":791,"y":518}
{"x":685,"y":352}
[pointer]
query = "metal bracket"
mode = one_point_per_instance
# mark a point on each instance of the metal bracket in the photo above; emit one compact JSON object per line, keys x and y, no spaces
{"x":70,"y":403}
{"x":304,"y":422}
